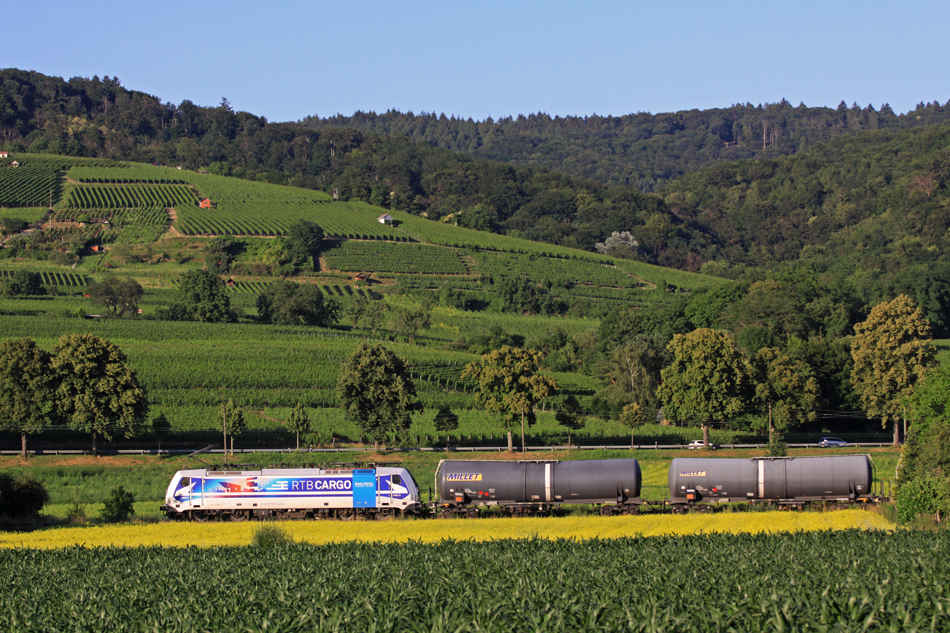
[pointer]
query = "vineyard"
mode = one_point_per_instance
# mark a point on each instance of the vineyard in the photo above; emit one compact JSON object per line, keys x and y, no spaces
{"x":51,"y":278}
{"x":128,"y":196}
{"x":390,"y":257}
{"x":38,"y":178}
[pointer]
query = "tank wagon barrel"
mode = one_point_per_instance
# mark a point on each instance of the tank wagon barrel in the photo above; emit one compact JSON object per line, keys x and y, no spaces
{"x":786,"y":480}
{"x":527,"y":486}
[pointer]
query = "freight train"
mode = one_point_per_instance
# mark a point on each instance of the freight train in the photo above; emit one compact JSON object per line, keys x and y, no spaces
{"x":466,"y":488}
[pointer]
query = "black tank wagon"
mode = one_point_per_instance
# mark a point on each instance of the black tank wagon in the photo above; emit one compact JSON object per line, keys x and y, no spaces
{"x":537,"y":486}
{"x":790,"y":481}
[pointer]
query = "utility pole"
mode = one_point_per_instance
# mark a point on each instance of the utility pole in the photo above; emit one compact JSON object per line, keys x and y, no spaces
{"x":770,"y":422}
{"x":224,"y":411}
{"x":523,"y":454}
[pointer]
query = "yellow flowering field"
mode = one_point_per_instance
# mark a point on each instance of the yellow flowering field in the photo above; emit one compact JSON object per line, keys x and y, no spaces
{"x":429,"y":531}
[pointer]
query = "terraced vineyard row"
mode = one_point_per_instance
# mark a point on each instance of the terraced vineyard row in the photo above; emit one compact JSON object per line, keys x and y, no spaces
{"x":29,"y":185}
{"x":64,"y":280}
{"x":560,"y":272}
{"x":388,"y":257}
{"x":129,"y":196}
{"x":119,"y":173}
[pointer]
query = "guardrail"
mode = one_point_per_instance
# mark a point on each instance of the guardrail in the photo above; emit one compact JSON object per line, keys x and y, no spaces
{"x":425,"y":449}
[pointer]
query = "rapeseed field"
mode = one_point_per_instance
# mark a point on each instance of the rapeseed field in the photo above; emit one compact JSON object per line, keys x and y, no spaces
{"x":169,"y":534}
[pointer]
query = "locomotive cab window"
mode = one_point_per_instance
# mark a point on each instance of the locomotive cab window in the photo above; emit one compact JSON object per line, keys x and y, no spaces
{"x":397,"y":480}
{"x":185,"y":481}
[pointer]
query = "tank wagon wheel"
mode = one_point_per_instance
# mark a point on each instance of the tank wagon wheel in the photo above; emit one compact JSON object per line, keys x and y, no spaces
{"x":445,"y":513}
{"x":679,"y":510}
{"x":606,"y":511}
{"x":631,"y":510}
{"x":472,"y":513}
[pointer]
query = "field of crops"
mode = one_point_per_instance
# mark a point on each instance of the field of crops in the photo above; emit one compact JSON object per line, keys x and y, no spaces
{"x":580,"y":528}
{"x":840,"y":581}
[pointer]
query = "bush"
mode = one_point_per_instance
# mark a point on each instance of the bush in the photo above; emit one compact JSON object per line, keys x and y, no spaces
{"x":76,"y":513}
{"x":21,"y":495}
{"x":119,"y":506}
{"x":777,"y":446}
{"x":924,"y":495}
{"x":267,"y":535}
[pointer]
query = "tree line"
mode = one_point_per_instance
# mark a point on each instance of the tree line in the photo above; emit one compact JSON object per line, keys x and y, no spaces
{"x":638,"y":149}
{"x":84,"y":384}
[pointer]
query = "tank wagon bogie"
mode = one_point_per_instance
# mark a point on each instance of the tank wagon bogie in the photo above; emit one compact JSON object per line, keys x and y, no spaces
{"x":340,"y":493}
{"x":786,"y":481}
{"x":529,"y":487}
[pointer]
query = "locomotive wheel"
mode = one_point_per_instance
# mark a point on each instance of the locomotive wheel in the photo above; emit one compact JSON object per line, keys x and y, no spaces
{"x":240,"y":515}
{"x":345,"y":514}
{"x":199,"y":517}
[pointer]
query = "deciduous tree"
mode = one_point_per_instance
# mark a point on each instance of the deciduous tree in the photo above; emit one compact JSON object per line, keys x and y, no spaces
{"x":96,"y":391}
{"x":785,"y":387}
{"x":202,"y":296}
{"x":233,"y":422}
{"x":376,"y":393}
{"x":303,"y":242}
{"x":409,"y":321}
{"x":299,"y":421}
{"x":507,"y":382}
{"x":570,"y":416}
{"x":118,"y":296}
{"x":892,"y":352}
{"x":709,"y":379}
{"x":633,"y":416}
{"x":26,"y":388}
{"x":289,"y":303}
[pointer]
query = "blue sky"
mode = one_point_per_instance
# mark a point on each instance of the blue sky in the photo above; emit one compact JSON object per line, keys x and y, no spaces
{"x":287,"y":60}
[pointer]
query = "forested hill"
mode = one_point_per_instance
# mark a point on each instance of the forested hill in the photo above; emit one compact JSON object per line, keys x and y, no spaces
{"x":643,"y":150}
{"x":872,"y":205}
{"x":100,"y":118}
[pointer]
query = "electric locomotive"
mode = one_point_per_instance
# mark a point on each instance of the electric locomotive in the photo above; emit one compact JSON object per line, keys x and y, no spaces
{"x":340,"y":493}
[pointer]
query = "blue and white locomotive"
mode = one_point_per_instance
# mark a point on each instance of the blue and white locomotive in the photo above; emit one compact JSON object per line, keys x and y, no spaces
{"x":339,"y":493}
